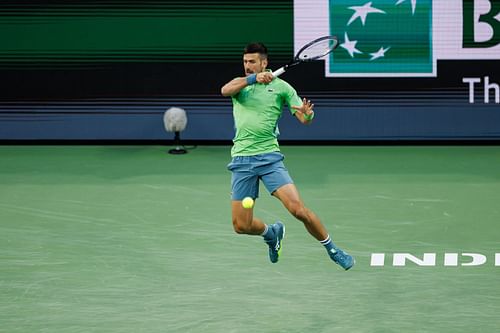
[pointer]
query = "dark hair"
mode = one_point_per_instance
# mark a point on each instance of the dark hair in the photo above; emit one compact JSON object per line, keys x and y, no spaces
{"x":256,"y":48}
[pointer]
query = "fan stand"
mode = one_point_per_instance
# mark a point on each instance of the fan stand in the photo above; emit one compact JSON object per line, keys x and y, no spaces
{"x":179,"y":149}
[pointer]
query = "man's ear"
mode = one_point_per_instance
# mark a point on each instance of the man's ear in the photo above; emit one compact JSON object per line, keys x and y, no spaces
{"x":264,"y":63}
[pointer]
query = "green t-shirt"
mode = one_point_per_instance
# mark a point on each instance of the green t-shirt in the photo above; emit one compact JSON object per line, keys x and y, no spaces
{"x":256,"y":110}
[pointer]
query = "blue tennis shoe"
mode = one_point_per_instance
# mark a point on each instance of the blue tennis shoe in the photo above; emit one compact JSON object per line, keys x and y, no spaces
{"x":276,"y":243}
{"x":343,"y":259}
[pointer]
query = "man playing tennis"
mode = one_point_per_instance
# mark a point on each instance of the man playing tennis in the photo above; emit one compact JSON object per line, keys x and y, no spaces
{"x":258,"y":100}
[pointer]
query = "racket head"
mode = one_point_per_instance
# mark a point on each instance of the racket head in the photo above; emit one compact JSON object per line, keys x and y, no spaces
{"x":317,"y":48}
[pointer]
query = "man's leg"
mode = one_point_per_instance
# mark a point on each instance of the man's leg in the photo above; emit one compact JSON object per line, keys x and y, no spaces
{"x":245,"y":183}
{"x":289,"y":196}
{"x":245,"y":223}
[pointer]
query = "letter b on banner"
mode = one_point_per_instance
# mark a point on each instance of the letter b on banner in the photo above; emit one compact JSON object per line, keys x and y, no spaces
{"x":481,"y":23}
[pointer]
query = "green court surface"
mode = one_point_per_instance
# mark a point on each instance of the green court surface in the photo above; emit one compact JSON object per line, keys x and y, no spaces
{"x":132,"y":239}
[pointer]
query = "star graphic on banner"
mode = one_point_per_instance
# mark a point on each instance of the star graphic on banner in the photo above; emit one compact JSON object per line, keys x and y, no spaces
{"x":350,"y":45}
{"x":379,"y":54}
{"x":363,"y":11}
{"x":413,"y":5}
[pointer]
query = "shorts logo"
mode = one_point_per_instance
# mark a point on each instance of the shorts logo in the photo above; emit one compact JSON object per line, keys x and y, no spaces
{"x":381,"y":38}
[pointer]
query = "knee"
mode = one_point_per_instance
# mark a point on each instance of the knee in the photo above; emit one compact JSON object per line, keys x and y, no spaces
{"x":299,"y":211}
{"x":239,"y":226}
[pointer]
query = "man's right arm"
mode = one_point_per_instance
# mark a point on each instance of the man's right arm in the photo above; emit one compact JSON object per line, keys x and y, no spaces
{"x":234,"y":86}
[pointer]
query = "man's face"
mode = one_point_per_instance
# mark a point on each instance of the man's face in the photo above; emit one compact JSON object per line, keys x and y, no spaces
{"x":253,"y":63}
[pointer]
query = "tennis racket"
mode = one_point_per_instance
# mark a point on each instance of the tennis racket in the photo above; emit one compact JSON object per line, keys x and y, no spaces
{"x":314,"y":50}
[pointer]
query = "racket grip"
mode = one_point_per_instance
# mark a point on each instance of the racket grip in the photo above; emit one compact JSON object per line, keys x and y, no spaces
{"x":279,"y":71}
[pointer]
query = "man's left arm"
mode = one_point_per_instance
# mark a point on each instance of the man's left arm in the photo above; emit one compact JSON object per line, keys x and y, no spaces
{"x":305,"y":112}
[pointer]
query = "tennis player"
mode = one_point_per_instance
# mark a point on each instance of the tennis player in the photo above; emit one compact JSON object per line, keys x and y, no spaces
{"x":258,"y":99}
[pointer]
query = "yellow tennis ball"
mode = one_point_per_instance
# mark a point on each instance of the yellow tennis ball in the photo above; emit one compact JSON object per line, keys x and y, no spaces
{"x":247,"y":203}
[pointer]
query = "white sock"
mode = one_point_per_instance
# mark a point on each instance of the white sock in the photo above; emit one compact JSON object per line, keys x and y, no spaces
{"x":265,"y":230}
{"x":327,"y":243}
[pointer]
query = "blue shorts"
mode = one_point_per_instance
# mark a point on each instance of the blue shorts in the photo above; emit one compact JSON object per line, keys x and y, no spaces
{"x":248,"y":170}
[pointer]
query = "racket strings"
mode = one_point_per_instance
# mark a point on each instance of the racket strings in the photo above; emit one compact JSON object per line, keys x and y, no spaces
{"x":317,"y":50}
